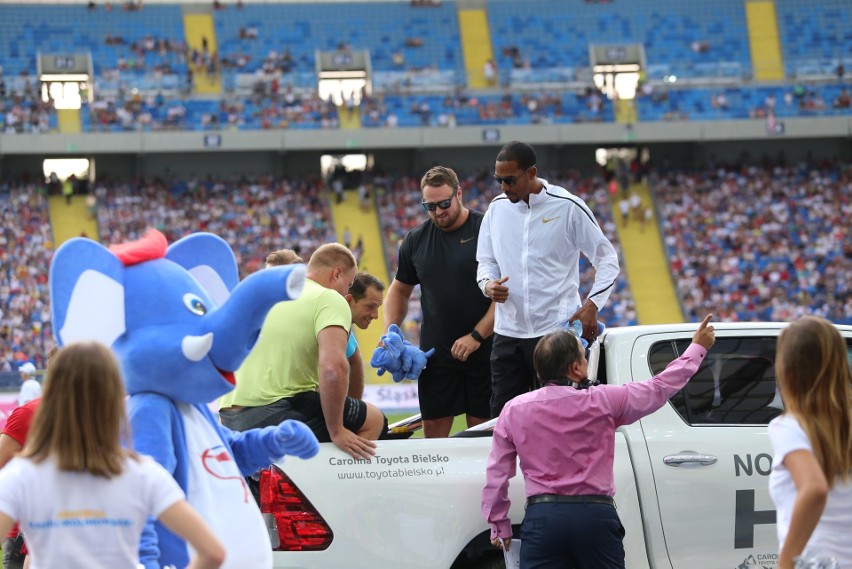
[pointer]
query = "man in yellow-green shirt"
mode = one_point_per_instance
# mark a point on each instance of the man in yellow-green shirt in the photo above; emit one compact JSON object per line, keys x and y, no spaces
{"x":298,"y":367}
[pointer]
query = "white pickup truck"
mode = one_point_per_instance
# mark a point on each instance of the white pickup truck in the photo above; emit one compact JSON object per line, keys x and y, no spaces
{"x":691,"y":479}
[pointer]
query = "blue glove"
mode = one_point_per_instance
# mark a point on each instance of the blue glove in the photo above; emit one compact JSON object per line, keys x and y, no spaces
{"x":384,"y":361}
{"x":294,"y":438}
{"x":394,"y":340}
{"x":416,"y":359}
{"x":398,"y":356}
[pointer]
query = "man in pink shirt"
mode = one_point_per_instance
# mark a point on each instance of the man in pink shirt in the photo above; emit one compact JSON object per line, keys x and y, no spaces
{"x":564,"y":435}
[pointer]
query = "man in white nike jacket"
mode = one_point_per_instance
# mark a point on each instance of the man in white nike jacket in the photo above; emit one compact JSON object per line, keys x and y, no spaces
{"x":529,"y":263}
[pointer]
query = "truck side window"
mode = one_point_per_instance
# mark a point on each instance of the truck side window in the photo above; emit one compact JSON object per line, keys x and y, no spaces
{"x":735,"y":384}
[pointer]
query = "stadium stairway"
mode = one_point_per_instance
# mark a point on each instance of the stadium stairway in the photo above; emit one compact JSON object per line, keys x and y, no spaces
{"x":348,"y":120}
{"x":645,"y":265}
{"x":625,"y":111}
{"x":68,"y":121}
{"x":71,"y":220}
{"x":763,"y":38}
{"x":198,"y":25}
{"x":476,"y":45}
{"x":364,"y":224}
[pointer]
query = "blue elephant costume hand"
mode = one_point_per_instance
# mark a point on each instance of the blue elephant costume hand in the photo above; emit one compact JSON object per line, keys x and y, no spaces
{"x":399,"y":357}
{"x":294,"y":438}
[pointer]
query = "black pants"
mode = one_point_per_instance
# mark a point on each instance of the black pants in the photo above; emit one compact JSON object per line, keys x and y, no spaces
{"x":512,"y":370}
{"x":571,"y":536}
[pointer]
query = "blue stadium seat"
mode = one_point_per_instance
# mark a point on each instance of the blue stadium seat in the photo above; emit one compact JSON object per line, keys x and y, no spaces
{"x":556,"y":34}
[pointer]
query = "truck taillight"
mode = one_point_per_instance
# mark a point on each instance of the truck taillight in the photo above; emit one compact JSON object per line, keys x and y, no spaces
{"x":300,"y":526}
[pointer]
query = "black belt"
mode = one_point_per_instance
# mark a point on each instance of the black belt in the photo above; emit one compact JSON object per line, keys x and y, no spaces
{"x":559,"y":499}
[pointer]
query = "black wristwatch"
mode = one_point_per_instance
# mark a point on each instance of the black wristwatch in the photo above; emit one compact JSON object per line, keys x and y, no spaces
{"x":477,"y":336}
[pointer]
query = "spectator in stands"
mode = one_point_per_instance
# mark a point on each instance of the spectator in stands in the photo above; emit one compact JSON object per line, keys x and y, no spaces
{"x":490,"y":72}
{"x":636,"y":206}
{"x":30,"y":387}
{"x":457,"y":320}
{"x":595,"y":104}
{"x":720,"y":101}
{"x":508,"y":250}
{"x":299,"y":363}
{"x":700,"y":46}
{"x":248,"y":33}
{"x":842,"y":101}
{"x":624,"y":208}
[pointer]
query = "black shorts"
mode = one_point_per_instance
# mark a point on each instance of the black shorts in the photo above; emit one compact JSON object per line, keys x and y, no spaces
{"x":450,"y":388}
{"x":512,"y":369}
{"x":308,"y":405}
{"x":303,"y":407}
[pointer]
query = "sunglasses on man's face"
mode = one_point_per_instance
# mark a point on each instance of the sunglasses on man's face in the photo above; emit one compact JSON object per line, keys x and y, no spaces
{"x":509,"y":180}
{"x":443,"y":204}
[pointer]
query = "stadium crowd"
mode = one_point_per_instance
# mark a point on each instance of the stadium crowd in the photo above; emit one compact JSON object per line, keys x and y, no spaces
{"x":22,"y":109}
{"x":751,"y":243}
{"x":254,"y":216}
{"x":760,"y":243}
{"x":26,"y":246}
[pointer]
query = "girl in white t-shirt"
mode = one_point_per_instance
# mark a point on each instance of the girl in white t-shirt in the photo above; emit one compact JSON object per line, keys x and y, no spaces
{"x":811,"y":479}
{"x":82,"y":500}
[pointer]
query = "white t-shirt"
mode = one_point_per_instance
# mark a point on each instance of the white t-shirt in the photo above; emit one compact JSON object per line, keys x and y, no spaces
{"x":30,"y":389}
{"x":832,"y":534}
{"x":78,"y":520}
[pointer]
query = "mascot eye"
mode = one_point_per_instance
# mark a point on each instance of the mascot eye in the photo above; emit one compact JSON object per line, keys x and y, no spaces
{"x":194,"y":304}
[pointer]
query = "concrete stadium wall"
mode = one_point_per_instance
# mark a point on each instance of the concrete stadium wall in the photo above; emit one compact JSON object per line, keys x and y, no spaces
{"x":284,"y":152}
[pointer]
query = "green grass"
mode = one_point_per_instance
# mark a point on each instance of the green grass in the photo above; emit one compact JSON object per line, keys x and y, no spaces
{"x":459,"y":424}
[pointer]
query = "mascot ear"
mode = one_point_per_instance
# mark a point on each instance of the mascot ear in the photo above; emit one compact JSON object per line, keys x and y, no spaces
{"x":210,"y":260}
{"x":86,"y":293}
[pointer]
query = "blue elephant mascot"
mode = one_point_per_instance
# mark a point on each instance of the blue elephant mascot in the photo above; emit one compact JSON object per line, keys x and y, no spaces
{"x":181,"y":323}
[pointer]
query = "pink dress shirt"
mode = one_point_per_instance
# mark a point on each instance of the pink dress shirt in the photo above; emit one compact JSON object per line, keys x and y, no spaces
{"x":565,"y":437}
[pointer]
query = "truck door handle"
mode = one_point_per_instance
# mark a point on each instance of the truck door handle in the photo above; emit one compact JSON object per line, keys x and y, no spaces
{"x":689,"y":460}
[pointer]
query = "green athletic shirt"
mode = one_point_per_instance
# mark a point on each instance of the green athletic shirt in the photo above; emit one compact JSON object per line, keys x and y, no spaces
{"x":285,"y":359}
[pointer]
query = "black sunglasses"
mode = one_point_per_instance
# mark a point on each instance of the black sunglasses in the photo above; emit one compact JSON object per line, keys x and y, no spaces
{"x":443,"y":204}
{"x":509,"y":180}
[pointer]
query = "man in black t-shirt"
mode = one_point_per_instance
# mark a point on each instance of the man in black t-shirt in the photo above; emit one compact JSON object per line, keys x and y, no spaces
{"x":458,"y":321}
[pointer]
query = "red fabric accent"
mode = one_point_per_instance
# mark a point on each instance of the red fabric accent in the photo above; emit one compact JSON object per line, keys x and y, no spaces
{"x":18,"y":424}
{"x":18,"y":427}
{"x":152,"y":246}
